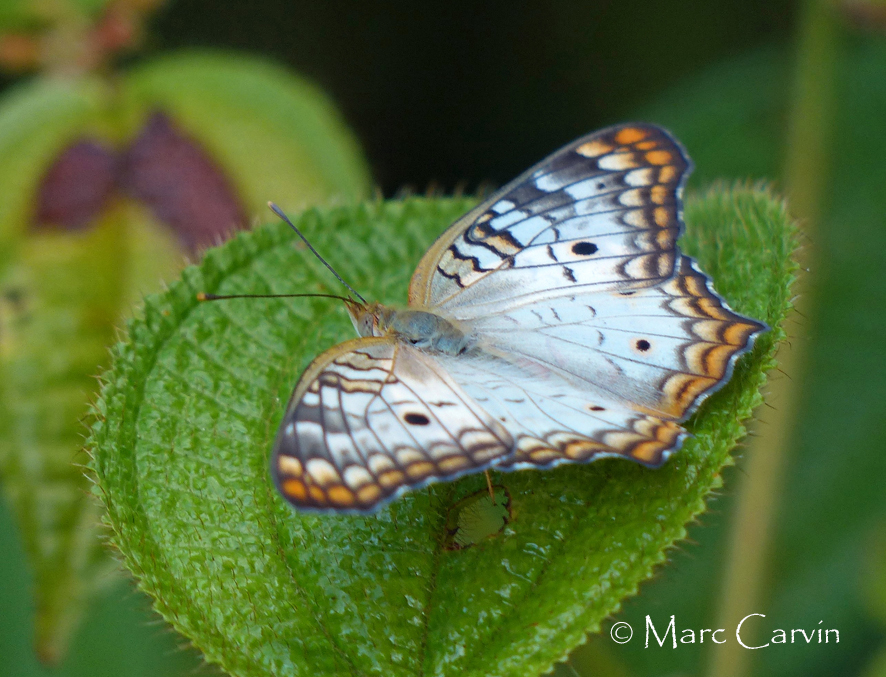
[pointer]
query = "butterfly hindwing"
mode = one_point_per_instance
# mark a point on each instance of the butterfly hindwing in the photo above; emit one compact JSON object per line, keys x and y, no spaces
{"x":656,"y":349}
{"x":602,"y":213}
{"x":553,"y":420}
{"x":373,"y":417}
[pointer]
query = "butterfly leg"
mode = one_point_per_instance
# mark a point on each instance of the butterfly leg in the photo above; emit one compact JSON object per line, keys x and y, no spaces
{"x":489,"y":485}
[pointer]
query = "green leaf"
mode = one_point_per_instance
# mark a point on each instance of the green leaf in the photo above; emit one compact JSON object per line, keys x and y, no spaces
{"x":188,"y":412}
{"x":61,"y":300}
{"x":277,"y":136}
{"x":731,"y":119}
{"x":24,"y":15}
{"x":37,"y":120}
{"x":59,"y":310}
{"x":62,"y":294}
{"x":877,"y":667}
{"x":20,"y":14}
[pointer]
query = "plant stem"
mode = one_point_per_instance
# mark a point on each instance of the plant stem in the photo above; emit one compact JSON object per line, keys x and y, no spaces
{"x":805,"y":175}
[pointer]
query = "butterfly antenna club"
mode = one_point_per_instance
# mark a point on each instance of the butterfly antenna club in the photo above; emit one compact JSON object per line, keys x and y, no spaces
{"x":279,"y":212}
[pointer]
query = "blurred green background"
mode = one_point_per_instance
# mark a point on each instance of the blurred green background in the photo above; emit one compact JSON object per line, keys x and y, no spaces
{"x":456,"y":94}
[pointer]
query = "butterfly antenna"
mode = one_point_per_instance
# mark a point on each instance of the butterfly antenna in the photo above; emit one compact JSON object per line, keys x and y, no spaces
{"x":279,"y":212}
{"x":203,"y":296}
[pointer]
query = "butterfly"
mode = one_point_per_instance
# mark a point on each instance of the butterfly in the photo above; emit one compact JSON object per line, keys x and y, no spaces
{"x":556,"y":322}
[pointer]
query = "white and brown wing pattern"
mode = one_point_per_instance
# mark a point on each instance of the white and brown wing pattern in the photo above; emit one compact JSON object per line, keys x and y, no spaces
{"x":603,"y":213}
{"x":373,"y":417}
{"x":656,"y":349}
{"x":557,"y":322}
{"x":555,"y":421}
{"x":616,"y":371}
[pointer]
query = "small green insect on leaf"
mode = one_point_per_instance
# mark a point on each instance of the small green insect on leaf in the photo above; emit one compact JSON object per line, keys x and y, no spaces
{"x":185,"y":424}
{"x":477,"y":517}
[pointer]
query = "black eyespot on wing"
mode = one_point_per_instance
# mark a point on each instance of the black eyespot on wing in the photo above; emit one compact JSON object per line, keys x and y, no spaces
{"x":596,"y":407}
{"x":584,"y":248}
{"x":416,"y":419}
{"x":643,"y":345}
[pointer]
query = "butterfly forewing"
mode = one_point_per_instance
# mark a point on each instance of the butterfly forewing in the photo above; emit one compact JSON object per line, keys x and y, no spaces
{"x":373,"y":417}
{"x":602,"y":213}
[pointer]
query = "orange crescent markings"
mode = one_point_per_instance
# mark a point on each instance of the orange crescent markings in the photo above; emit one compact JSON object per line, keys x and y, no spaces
{"x":665,"y":435}
{"x":667,"y":174}
{"x":369,"y":494}
{"x":542,"y":456}
{"x":420,"y":469}
{"x":690,"y":390}
{"x":662,"y":217}
{"x":340,"y":495}
{"x":737,"y":334}
{"x":716,"y":359}
{"x":659,"y":157}
{"x":295,"y":489}
{"x":695,"y":287}
{"x":713,"y":308}
{"x":629,"y":135}
{"x":391,"y":478}
{"x":452,"y":463}
{"x":659,"y":194}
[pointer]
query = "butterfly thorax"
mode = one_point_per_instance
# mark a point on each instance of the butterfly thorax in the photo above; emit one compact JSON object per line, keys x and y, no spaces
{"x":423,"y":329}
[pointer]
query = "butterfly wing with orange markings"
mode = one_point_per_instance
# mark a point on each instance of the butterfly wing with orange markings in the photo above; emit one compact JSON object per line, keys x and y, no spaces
{"x":658,"y":350}
{"x":601,"y":214}
{"x":555,"y":420}
{"x":589,"y":336}
{"x":373,"y":417}
{"x":574,"y":268}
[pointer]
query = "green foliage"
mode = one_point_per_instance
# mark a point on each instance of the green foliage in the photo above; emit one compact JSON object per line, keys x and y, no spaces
{"x":873,"y":588}
{"x":64,"y":293}
{"x":187,"y":415}
{"x":58,"y":323}
{"x":730,"y":117}
{"x":24,"y":15}
{"x":277,"y":136}
{"x":37,"y":120}
{"x":115,"y":638}
{"x":18,"y":14}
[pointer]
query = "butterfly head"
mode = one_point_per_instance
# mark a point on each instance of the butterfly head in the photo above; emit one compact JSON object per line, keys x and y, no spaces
{"x":368,"y":318}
